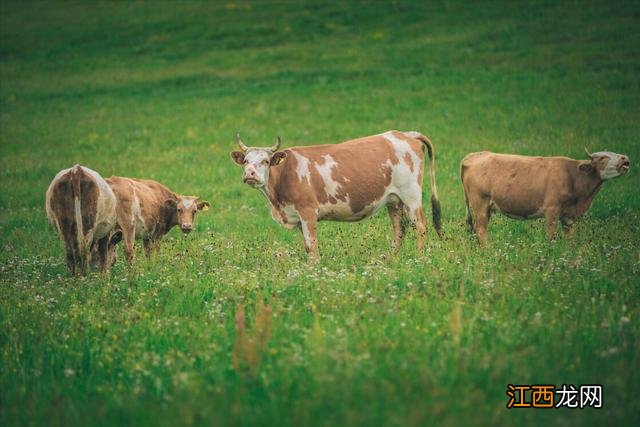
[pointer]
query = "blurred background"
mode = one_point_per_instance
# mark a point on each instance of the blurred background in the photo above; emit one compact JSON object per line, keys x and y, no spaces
{"x":158,"y":89}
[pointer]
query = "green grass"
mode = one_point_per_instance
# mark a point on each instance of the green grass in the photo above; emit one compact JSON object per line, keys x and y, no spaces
{"x":158,"y":90}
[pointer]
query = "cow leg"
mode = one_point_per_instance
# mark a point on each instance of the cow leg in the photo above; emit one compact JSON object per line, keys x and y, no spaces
{"x":150,"y":245}
{"x":567,"y":225}
{"x":85,"y":252}
{"x":396,"y":213}
{"x":147,"y":247}
{"x":71,"y":261}
{"x":126,"y":223}
{"x":308,"y":228}
{"x":417,"y":221}
{"x":551,"y":216}
{"x":71,"y":251}
{"x":103,"y":247}
{"x":469,"y":215}
{"x":128,"y":235}
{"x":481,"y":211}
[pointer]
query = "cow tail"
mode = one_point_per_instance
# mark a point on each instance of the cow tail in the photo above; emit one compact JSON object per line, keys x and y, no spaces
{"x":76,"y":175}
{"x":435,"y":202}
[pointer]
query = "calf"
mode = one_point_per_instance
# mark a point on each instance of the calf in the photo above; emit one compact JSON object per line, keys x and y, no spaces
{"x":344,"y":182}
{"x":522,"y":187}
{"x":82,"y":208}
{"x":148,"y":210}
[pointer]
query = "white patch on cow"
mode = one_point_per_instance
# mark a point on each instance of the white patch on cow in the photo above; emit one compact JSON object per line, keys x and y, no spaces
{"x":413,"y":134}
{"x":256,"y":155}
{"x":402,"y":147}
{"x":106,"y":215}
{"x":330,"y":186}
{"x":610,"y":171}
{"x":302,"y":168}
{"x":188,"y":203}
{"x":77,"y":210}
{"x":257,"y":160}
{"x":289,"y":212}
{"x":138,"y":220}
{"x":404,"y":181}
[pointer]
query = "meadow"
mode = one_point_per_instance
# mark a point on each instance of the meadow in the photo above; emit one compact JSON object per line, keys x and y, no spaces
{"x":159,"y":90}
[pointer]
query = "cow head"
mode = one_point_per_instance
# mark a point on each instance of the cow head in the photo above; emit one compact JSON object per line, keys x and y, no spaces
{"x":608,"y":164}
{"x":184,"y":210}
{"x":257,"y":162}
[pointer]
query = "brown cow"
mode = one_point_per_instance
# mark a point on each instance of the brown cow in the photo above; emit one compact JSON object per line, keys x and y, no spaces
{"x":522,"y":187}
{"x":344,"y":182}
{"x":82,"y":208}
{"x":148,"y":210}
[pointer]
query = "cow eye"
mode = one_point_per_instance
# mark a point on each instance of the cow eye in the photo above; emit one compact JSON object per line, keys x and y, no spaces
{"x":179,"y":210}
{"x":264,"y":162}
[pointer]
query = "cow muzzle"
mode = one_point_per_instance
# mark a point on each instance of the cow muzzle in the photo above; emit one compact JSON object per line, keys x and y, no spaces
{"x":251,"y":178}
{"x":624,"y":164}
{"x":251,"y":181}
{"x":186,"y":228}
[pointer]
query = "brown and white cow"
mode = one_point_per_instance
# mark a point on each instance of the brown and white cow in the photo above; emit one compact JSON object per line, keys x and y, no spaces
{"x":148,"y":210}
{"x":82,"y":207}
{"x":522,"y":187}
{"x":344,"y":182}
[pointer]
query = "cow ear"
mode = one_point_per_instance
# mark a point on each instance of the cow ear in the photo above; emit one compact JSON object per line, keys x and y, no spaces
{"x":237,"y":157}
{"x":602,"y":161}
{"x":586,"y":167}
{"x":115,"y":238}
{"x":204,"y":206}
{"x":170,"y":203}
{"x":278,"y":157}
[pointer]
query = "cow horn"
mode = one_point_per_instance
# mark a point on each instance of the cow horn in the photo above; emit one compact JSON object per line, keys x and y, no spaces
{"x":240,"y":143}
{"x":588,"y":153}
{"x":277,"y":145}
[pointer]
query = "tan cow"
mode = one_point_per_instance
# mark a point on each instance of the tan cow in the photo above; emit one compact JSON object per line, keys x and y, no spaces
{"x":523,"y":187}
{"x":344,"y":182}
{"x":148,"y":210}
{"x":82,"y":208}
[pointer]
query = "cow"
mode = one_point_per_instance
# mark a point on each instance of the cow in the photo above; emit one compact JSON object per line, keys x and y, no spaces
{"x":522,"y":187}
{"x":82,"y":208}
{"x":147,"y":210}
{"x":348,"y":181}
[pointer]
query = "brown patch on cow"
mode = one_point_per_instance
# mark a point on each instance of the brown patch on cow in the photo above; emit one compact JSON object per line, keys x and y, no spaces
{"x":284,"y":182}
{"x":157,"y":208}
{"x":354,"y":162}
{"x":90,"y":193}
{"x":418,"y":147}
{"x":409,"y":161}
{"x":526,"y":187}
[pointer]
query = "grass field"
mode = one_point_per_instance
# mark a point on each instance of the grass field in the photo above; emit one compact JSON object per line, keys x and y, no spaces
{"x":159,"y":89}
